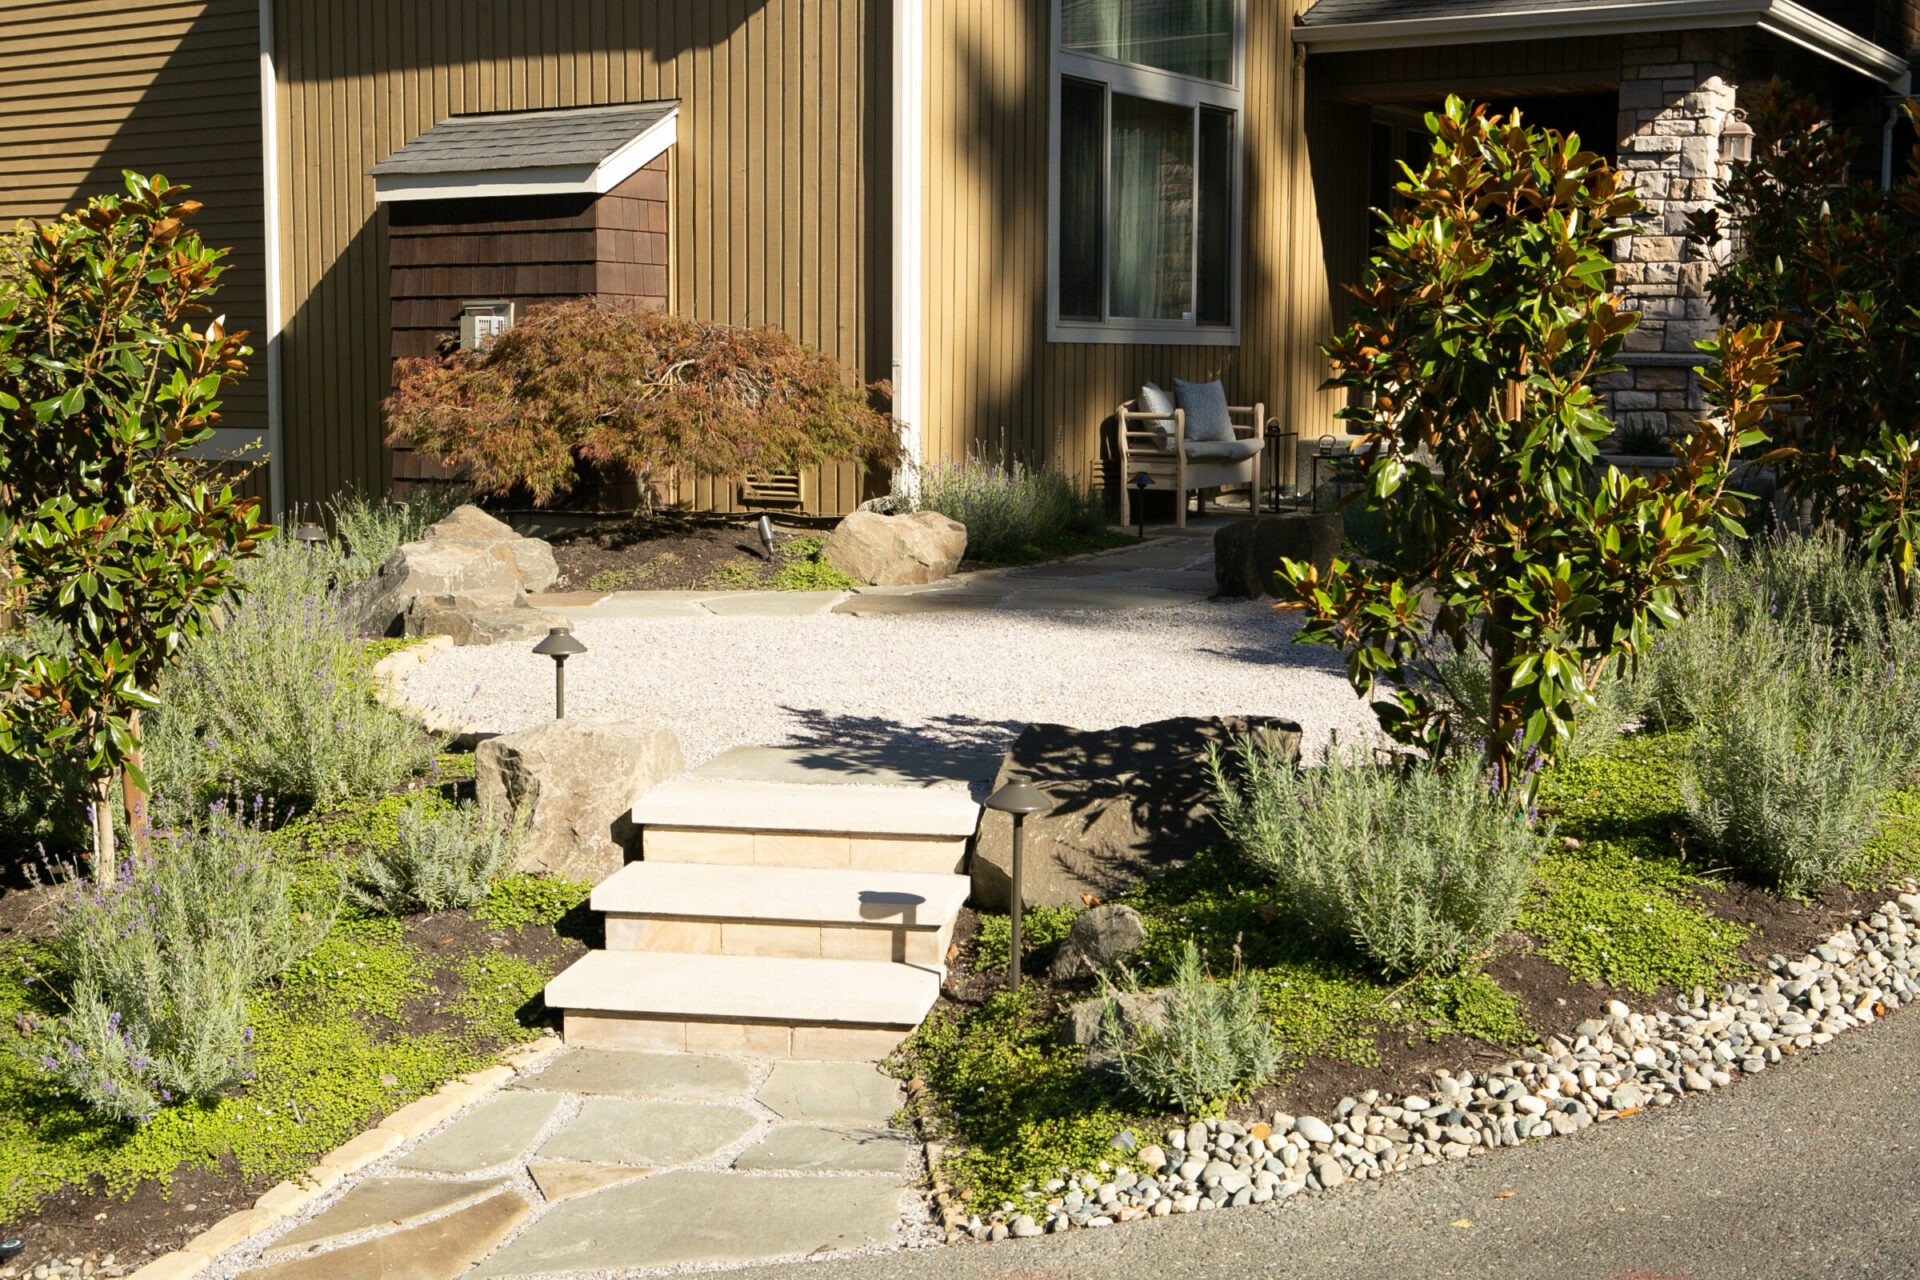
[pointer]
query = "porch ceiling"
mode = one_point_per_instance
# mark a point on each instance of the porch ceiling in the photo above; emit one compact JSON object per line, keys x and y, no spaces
{"x":1333,"y":26}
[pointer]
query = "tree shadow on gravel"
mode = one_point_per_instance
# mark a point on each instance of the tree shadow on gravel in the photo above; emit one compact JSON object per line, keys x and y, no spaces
{"x":947,"y":749}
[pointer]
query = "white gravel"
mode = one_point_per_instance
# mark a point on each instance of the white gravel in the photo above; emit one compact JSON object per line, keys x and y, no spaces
{"x":964,"y":680}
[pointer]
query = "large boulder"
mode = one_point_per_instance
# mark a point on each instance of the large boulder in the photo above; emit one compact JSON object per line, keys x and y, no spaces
{"x":531,"y":558}
{"x":1247,"y":553}
{"x":1098,"y":940}
{"x":896,"y":551}
{"x":469,"y":554}
{"x":483,"y":621}
{"x":1127,"y":801}
{"x":575,"y":782}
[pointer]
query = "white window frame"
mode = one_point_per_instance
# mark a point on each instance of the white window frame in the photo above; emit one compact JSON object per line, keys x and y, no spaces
{"x":1160,"y":86}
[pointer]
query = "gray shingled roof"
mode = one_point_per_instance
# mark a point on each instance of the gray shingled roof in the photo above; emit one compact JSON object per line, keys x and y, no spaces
{"x":1329,"y":13}
{"x":525,"y":139}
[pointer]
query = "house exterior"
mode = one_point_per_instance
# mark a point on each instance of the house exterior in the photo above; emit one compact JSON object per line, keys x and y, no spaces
{"x":1015,"y":210}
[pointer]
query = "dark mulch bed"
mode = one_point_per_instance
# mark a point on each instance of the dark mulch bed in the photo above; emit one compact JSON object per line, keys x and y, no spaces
{"x":95,"y":1226}
{"x":666,"y":551}
{"x":1553,"y":1001}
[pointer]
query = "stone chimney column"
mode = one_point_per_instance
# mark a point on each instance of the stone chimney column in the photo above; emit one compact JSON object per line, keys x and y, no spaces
{"x":1676,"y":96}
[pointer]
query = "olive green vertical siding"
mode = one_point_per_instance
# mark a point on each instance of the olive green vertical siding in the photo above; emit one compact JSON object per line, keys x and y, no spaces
{"x":993,"y":380}
{"x":89,"y":88}
{"x":780,"y":156}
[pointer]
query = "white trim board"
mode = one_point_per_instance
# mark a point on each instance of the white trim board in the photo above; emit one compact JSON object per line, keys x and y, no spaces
{"x":1783,"y":18}
{"x":583,"y":179}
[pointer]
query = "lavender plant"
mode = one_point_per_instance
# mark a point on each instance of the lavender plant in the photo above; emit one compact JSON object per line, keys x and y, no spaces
{"x":1008,"y":507}
{"x":1419,"y":865}
{"x":444,"y":857}
{"x":278,"y":700}
{"x":156,"y":967}
{"x":1203,"y":1042}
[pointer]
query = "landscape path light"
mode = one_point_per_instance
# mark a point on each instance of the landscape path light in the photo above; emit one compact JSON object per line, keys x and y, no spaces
{"x":559,"y":645}
{"x":1141,"y":483}
{"x":310,"y":536}
{"x":1019,"y":800}
{"x":766,"y":536}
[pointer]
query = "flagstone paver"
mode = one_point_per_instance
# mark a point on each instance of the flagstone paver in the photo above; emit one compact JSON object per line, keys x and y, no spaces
{"x":651,"y":1160}
{"x":494,"y":1132}
{"x":383,"y":1202}
{"x":626,"y":1131}
{"x":564,"y":1179}
{"x":673,"y":1219}
{"x":681,"y":1076}
{"x":831,"y":1092}
{"x":438,"y":1250}
{"x":827,"y":1149}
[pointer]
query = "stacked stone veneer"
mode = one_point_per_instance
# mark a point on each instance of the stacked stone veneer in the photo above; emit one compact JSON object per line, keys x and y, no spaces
{"x":1676,"y":96}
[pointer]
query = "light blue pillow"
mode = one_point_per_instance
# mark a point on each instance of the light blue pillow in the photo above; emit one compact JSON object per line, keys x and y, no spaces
{"x":1205,"y":404}
{"x":1154,"y":400}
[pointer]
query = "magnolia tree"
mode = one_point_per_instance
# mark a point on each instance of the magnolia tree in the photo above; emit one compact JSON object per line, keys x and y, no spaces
{"x":1836,"y":262}
{"x":117,"y":534}
{"x":645,"y":391}
{"x":1470,"y":357}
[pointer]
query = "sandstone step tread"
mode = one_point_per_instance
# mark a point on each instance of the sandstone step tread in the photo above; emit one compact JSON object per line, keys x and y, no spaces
{"x":726,"y":805}
{"x":806,"y":992}
{"x":886,"y":899}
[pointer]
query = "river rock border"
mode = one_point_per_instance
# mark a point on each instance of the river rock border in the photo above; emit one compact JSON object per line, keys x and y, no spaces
{"x":285,"y":1199}
{"x":1609,"y":1067}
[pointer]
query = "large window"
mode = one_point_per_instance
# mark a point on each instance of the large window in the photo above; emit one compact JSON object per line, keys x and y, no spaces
{"x":1146,"y":160}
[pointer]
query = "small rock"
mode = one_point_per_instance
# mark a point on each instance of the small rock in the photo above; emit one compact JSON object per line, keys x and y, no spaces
{"x":1024,"y":1227}
{"x":1313,"y":1129}
{"x":1097,"y":940}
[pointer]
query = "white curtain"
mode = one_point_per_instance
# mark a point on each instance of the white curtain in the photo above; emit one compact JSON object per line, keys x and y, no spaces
{"x":1151,"y":231}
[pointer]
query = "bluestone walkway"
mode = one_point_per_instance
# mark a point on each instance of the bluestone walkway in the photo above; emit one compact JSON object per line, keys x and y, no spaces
{"x":604,"y":1162}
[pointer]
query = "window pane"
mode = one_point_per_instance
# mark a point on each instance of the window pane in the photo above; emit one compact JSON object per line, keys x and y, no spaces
{"x":1188,"y":37}
{"x":1152,"y":210}
{"x":1214,"y":285}
{"x":1083,"y":180}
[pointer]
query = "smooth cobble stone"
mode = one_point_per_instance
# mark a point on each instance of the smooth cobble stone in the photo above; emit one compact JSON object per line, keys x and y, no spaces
{"x":1608,"y":1067}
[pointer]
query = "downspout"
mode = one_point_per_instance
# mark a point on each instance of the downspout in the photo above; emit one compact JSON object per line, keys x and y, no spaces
{"x":1902,"y":90}
{"x":909,"y":144}
{"x":270,"y":220}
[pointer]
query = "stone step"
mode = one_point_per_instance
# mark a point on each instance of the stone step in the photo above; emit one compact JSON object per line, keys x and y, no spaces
{"x":786,"y":824}
{"x":782,"y":911}
{"x":826,"y":1010}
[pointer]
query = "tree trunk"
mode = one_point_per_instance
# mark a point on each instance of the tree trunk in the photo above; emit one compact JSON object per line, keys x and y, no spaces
{"x":139,"y":825}
{"x":104,"y":869}
{"x":1499,"y":751}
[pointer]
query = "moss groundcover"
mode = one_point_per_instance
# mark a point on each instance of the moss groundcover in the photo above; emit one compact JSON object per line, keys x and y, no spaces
{"x":1623,"y":908}
{"x":382,"y":1012}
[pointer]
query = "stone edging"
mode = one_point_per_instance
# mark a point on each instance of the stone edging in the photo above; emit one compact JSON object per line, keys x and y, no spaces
{"x":387,"y":673}
{"x":288,"y":1198}
{"x":1608,"y":1067}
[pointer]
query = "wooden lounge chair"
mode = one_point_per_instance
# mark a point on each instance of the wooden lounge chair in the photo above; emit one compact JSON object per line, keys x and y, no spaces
{"x":1157,"y":444}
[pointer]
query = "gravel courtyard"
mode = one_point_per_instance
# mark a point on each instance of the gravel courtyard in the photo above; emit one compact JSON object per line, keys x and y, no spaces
{"x":962,"y":680}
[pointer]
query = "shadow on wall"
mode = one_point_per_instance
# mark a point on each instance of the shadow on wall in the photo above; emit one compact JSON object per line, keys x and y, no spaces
{"x":197,"y":121}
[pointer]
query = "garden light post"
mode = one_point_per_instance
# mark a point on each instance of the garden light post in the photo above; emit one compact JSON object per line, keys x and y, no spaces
{"x":559,"y":645}
{"x":310,"y":536}
{"x":1019,"y":800}
{"x":766,"y":537}
{"x":1141,"y":483}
